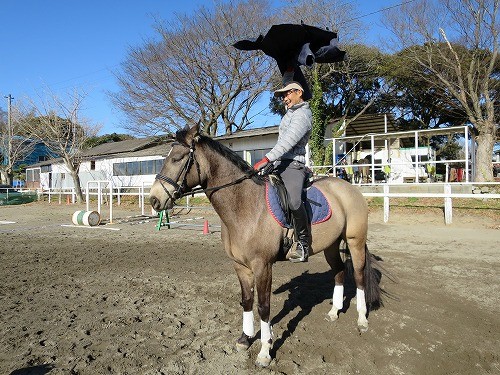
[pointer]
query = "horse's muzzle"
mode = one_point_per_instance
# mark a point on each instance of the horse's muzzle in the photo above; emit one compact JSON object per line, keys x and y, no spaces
{"x":158,"y":205}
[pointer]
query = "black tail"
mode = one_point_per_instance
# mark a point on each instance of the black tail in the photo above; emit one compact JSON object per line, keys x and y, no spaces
{"x":372,"y":276}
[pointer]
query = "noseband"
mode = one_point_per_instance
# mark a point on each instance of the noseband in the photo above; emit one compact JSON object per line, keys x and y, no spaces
{"x":180,"y":190}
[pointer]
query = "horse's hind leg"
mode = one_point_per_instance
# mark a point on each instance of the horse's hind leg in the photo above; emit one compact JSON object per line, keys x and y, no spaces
{"x":357,"y":246}
{"x":332,"y":256}
{"x":246,"y":278}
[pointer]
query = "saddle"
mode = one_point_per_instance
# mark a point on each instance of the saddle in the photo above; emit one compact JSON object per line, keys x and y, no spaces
{"x":317,"y":207}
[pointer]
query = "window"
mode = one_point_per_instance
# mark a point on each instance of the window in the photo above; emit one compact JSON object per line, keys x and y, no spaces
{"x":119,"y":169}
{"x":256,"y":155}
{"x":132,"y":168}
{"x":158,"y":165}
{"x":147,"y":167}
{"x":92,"y":165}
{"x":135,"y":168}
{"x":30,"y":175}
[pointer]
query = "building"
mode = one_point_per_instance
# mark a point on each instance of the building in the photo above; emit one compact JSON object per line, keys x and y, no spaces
{"x":253,"y":144}
{"x":137,"y":161}
{"x":375,"y":140}
{"x":125,"y":163}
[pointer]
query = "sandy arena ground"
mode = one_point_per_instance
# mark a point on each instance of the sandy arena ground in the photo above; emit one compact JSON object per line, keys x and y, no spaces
{"x":141,"y":301}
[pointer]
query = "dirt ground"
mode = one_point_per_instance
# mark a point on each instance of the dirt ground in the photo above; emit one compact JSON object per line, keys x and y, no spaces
{"x":135,"y":300}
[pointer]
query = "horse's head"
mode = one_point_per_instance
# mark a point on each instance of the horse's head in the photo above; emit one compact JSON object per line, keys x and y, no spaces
{"x":180,"y":171}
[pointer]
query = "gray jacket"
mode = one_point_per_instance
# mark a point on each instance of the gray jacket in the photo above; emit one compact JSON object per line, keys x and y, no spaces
{"x":294,"y":131}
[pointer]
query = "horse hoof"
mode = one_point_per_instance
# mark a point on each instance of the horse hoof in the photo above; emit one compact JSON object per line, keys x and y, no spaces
{"x":332,"y":317}
{"x":362,"y":328}
{"x":263,"y":361}
{"x":243,"y":343}
{"x":242,"y":347}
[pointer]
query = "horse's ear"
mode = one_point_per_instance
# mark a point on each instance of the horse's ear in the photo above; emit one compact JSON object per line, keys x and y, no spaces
{"x":187,"y":135}
{"x":196,"y":131}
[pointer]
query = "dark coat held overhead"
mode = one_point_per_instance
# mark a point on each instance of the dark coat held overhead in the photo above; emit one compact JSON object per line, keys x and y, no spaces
{"x":292,"y":45}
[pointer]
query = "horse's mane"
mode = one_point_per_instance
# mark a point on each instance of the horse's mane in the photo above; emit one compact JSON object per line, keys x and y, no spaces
{"x":232,"y":156}
{"x":226,"y":153}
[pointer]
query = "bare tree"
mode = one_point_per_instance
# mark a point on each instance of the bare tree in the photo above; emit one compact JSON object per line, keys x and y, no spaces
{"x":57,"y":124}
{"x":336,"y":15}
{"x":193,"y":74}
{"x":14,"y":145}
{"x":455,"y":43}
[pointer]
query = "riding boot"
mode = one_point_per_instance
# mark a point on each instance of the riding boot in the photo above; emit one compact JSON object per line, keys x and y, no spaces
{"x":302,"y":234}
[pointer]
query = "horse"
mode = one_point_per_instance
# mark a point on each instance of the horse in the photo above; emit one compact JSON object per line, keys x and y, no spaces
{"x":252,"y":238}
{"x":364,"y":169}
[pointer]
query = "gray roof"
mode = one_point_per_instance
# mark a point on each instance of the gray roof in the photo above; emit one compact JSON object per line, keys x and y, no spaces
{"x":128,"y":148}
{"x":161,"y":149}
{"x":250,"y":133}
{"x":129,"y":145}
{"x":371,"y":123}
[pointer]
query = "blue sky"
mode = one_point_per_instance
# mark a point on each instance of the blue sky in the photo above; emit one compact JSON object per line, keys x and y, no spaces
{"x":65,"y":44}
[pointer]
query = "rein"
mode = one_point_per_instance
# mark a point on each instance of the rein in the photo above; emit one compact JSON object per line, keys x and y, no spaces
{"x":215,"y":188}
{"x":180,"y":189}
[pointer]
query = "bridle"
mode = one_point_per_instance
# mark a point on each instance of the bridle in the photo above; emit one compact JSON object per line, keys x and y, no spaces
{"x":181,"y":188}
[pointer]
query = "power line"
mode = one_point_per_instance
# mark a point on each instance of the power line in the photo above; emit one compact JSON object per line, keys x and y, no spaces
{"x":84,"y":75}
{"x":56,"y":85}
{"x":378,"y":11}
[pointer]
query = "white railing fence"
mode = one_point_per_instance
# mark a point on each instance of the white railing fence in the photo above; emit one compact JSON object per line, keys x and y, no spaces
{"x":105,"y":191}
{"x":59,"y":193}
{"x":447,"y":195}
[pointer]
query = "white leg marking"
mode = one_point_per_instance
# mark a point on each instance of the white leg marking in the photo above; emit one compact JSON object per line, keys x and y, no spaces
{"x":248,"y":328}
{"x":361,"y":307}
{"x":266,"y":339}
{"x":337,"y":302}
{"x":338,"y":297}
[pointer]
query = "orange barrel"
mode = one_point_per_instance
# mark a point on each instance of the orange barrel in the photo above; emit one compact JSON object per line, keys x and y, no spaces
{"x":89,"y":218}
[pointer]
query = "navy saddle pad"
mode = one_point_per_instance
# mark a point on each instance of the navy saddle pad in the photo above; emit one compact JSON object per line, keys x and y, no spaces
{"x":317,"y":206}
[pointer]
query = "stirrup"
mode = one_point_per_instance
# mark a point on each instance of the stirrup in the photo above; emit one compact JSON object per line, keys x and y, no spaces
{"x":297,"y":253}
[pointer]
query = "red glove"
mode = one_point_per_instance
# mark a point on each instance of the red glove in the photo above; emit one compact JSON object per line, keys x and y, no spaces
{"x":261,"y":164}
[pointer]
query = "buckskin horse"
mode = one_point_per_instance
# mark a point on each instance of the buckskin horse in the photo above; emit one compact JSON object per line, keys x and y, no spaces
{"x":254,"y":240}
{"x":364,"y":169}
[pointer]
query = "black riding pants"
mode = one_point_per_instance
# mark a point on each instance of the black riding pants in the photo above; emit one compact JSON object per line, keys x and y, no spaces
{"x":293,"y":174}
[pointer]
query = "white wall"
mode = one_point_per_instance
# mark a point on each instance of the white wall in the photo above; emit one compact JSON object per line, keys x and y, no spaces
{"x":103,"y":171}
{"x":249,"y":144}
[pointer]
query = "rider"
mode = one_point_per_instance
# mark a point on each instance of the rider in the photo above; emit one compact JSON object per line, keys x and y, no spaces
{"x":288,"y":157}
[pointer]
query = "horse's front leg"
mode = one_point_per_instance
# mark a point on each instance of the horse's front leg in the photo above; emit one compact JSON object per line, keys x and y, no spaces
{"x":263,"y":278}
{"x":246,"y":278}
{"x":338,"y":297}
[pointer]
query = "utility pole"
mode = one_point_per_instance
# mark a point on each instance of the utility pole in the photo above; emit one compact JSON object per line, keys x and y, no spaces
{"x":8,"y":152}
{"x":9,"y":116}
